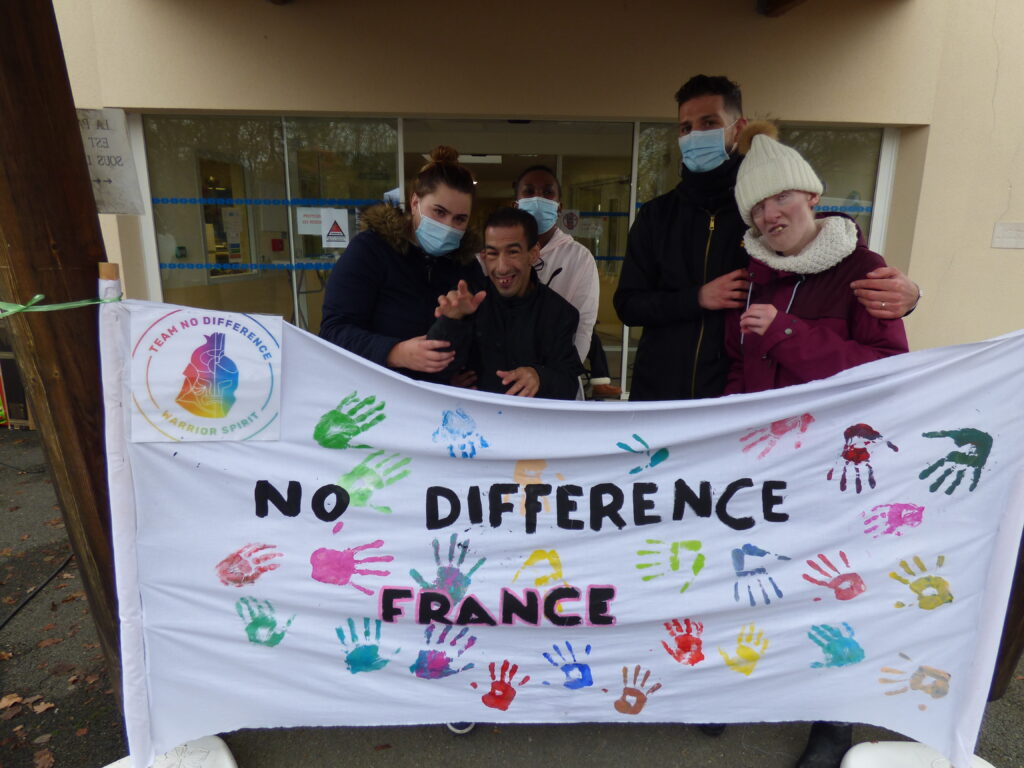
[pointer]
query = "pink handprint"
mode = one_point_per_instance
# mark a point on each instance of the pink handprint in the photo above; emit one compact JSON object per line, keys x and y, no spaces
{"x":688,"y":645}
{"x":334,"y":566}
{"x":845,"y":585}
{"x":247,"y":564}
{"x":774,"y":432}
{"x":502,"y":692}
{"x":894,"y":517}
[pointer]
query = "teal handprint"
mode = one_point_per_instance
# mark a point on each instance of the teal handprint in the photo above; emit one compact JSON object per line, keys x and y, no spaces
{"x":974,"y":445}
{"x":840,"y":649}
{"x":352,"y":417}
{"x":653,"y":460}
{"x":364,"y":656}
{"x":261,"y":625}
{"x":365,"y":478}
{"x":450,"y":578}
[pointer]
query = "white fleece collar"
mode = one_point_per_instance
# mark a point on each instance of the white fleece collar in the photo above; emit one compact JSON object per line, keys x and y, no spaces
{"x":836,"y":239}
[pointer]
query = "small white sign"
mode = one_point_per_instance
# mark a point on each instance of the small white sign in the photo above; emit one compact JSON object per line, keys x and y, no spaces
{"x":307,"y":221}
{"x":568,"y":221}
{"x":334,"y":227}
{"x":108,"y":154}
{"x":1008,"y":234}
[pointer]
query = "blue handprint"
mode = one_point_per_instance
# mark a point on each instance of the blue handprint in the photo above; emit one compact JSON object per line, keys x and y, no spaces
{"x":458,"y":432}
{"x":364,"y":656}
{"x":577,"y":674}
{"x":653,"y":459}
{"x":749,"y":575}
{"x":840,"y":650}
{"x":450,"y":577}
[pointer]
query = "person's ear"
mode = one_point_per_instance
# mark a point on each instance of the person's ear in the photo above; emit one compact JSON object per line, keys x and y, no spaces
{"x":535,"y":254}
{"x":813,"y":198}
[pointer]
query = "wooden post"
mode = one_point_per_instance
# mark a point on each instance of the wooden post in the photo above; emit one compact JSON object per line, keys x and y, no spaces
{"x":50,"y":243}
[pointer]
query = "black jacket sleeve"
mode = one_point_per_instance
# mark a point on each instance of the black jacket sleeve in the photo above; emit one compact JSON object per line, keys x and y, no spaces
{"x":559,"y":366}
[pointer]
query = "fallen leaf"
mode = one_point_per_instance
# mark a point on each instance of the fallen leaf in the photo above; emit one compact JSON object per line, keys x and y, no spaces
{"x":32,"y":699}
{"x":45,"y":738}
{"x":10,"y":601}
{"x":48,"y":628}
{"x":81,"y":732}
{"x":55,"y":522}
{"x":72,"y":596}
{"x":26,"y":536}
{"x":15,"y":508}
{"x":9,"y":699}
{"x":43,"y":759}
{"x":90,"y":679}
{"x":5,"y":655}
{"x":90,"y":646}
{"x":6,"y":552}
{"x":42,"y":707}
{"x":380,"y":747}
{"x":49,"y":641}
{"x":73,"y":679}
{"x":11,"y":712}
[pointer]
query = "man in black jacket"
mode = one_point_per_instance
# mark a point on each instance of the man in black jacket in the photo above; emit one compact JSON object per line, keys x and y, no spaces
{"x":685,"y":261}
{"x":516,"y":334}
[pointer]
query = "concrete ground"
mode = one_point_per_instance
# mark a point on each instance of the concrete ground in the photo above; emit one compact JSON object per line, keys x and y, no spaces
{"x":57,"y":709}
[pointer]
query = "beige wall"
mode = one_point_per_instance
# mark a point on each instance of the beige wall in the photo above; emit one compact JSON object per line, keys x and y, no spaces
{"x":951,"y":66}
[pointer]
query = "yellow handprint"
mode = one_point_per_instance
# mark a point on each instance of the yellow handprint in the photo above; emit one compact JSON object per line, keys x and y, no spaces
{"x":544,"y":555}
{"x":750,"y":647}
{"x":931,"y":591}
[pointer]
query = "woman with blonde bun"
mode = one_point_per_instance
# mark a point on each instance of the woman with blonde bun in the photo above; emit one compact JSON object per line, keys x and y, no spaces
{"x":801,"y":321}
{"x":380,"y":297}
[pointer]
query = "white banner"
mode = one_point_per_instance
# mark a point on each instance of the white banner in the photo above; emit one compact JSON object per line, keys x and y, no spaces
{"x":409,"y":553}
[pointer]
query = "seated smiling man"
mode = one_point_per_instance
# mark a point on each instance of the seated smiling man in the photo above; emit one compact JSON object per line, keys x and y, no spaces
{"x":516,"y":334}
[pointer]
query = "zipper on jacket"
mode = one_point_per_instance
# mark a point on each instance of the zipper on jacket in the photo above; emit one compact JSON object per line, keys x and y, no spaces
{"x":700,"y":335}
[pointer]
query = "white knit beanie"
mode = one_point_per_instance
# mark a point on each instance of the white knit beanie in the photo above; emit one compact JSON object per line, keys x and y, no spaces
{"x":770,"y":168}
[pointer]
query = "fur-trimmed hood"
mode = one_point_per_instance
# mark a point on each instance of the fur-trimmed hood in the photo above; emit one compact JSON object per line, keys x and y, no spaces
{"x":395,"y":227}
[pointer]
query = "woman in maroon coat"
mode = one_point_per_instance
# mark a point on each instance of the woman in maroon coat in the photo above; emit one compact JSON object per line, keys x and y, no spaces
{"x":801,"y":322}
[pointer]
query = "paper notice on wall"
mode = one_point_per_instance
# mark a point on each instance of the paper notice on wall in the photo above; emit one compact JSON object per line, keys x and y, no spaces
{"x":108,"y":154}
{"x":334,"y":227}
{"x":568,"y":221}
{"x":591,"y":226}
{"x":307,"y":221}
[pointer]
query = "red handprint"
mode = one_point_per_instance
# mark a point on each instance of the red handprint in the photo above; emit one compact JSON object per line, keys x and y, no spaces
{"x":689,"y":648}
{"x":774,"y":432}
{"x":845,"y":585}
{"x":247,"y":564}
{"x":856,"y":439}
{"x":502,"y":692}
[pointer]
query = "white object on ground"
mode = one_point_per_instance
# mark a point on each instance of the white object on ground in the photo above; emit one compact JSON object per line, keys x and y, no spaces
{"x":207,"y":752}
{"x":900,"y":754}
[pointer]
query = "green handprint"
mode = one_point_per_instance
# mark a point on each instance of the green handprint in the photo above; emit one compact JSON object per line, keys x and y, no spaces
{"x":261,"y":625}
{"x":975,"y":447}
{"x":363,"y":479}
{"x":337,"y":428}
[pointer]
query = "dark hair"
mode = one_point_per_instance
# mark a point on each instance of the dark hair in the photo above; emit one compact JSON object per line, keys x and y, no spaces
{"x":712,"y":85}
{"x":443,"y":168}
{"x":531,"y":169}
{"x":506,"y":218}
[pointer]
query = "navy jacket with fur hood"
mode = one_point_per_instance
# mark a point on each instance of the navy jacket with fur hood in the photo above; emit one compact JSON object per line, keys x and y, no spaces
{"x":384,"y":288}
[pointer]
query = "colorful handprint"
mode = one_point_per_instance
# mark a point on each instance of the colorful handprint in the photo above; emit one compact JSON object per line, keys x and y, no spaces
{"x":845,"y":584}
{"x":364,"y":656}
{"x":261,"y":625}
{"x":369,"y":476}
{"x":634,"y":697}
{"x":653,"y":460}
{"x":450,"y":577}
{"x":338,"y":566}
{"x":974,"y":447}
{"x":458,"y":433}
{"x":503,"y":686}
{"x":747,"y":575}
{"x":352,"y":417}
{"x":247,"y":564}
{"x":856,"y":439}
{"x":770,"y":436}
{"x":892,"y":519}
{"x":840,"y":649}
{"x":687,"y":646}
{"x":928,"y":680}
{"x":693,"y":557}
{"x":931,"y":591}
{"x":577,"y":673}
{"x":751,"y":645}
{"x":435,"y":663}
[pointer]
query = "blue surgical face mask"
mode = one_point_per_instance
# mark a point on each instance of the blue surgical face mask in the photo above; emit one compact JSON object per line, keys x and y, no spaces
{"x":704,"y":150}
{"x":436,"y":238}
{"x":543,"y":210}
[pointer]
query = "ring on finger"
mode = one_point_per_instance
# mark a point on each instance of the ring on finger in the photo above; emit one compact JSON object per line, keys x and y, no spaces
{"x":883,"y":305}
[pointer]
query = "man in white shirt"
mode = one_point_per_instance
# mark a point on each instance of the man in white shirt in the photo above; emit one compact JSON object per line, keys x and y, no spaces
{"x":565,"y":266}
